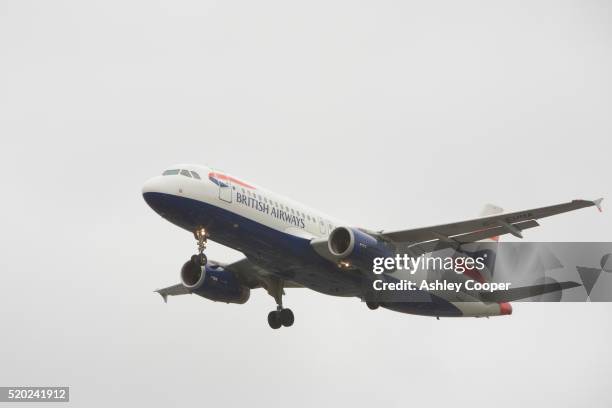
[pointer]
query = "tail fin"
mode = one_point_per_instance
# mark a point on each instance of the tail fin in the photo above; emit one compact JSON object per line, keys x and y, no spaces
{"x":488,"y":253}
{"x":487,"y":210}
{"x":490,"y":209}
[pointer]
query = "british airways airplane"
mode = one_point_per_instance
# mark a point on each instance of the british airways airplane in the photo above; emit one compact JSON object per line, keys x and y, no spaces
{"x":289,"y":245}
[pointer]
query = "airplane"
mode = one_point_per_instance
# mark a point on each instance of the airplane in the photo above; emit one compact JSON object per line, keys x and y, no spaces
{"x":289,"y":245}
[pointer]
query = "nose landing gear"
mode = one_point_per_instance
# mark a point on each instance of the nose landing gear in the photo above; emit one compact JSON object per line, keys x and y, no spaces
{"x":200,"y":236}
{"x":280,"y":316}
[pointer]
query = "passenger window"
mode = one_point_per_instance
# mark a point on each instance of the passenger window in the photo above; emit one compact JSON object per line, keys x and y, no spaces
{"x":195,"y":175}
{"x":185,"y":173}
{"x":170,"y":172}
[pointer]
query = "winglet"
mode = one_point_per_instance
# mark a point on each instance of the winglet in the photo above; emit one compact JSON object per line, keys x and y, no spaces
{"x":598,"y":204}
{"x":163,"y":295}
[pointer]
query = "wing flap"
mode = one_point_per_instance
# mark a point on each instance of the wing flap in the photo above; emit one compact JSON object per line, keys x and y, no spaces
{"x":456,"y":241}
{"x":253,"y":275}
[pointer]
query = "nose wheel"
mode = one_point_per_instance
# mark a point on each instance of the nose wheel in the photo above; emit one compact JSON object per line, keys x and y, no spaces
{"x":281,"y":316}
{"x":200,"y":258}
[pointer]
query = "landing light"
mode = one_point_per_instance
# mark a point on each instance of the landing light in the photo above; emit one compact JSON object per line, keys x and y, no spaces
{"x":200,"y":233}
{"x":344,"y":264}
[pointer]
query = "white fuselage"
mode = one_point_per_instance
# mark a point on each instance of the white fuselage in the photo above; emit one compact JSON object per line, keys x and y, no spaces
{"x":244,"y":199}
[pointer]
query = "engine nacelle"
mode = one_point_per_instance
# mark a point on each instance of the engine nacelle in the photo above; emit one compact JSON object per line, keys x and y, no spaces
{"x":357,"y":247}
{"x":214,"y":282}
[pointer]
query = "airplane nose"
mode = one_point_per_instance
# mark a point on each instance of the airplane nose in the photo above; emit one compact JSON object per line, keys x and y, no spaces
{"x":154,"y":191}
{"x":152,"y":185}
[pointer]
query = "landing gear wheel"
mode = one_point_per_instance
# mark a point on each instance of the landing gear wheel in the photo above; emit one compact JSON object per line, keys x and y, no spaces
{"x":274,"y":319}
{"x":199,"y":259}
{"x":286,"y":317}
{"x":203,"y":260}
{"x":280,"y":316}
{"x":372,"y":305}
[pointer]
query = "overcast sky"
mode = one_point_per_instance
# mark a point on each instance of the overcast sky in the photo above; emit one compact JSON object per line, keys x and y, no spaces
{"x":388,"y":114}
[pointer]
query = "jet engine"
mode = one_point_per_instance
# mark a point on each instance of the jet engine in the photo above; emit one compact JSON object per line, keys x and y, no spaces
{"x":358,"y":248}
{"x":214,"y":282}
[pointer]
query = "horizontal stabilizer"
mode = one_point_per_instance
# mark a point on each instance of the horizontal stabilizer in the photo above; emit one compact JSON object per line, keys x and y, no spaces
{"x":510,"y":295}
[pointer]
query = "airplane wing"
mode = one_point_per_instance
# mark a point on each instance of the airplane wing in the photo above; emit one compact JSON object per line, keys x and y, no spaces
{"x":423,"y":240}
{"x":250,"y":274}
{"x":253,"y":275}
{"x":173,"y":290}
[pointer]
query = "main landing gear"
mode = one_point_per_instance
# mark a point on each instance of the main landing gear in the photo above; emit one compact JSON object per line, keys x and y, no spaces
{"x":280,"y":316}
{"x":200,"y":258}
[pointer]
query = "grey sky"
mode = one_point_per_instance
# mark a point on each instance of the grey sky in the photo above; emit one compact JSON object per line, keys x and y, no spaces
{"x":388,"y":114}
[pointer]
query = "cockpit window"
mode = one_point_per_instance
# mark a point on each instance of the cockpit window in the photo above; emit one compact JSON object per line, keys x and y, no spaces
{"x":186,"y":173}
